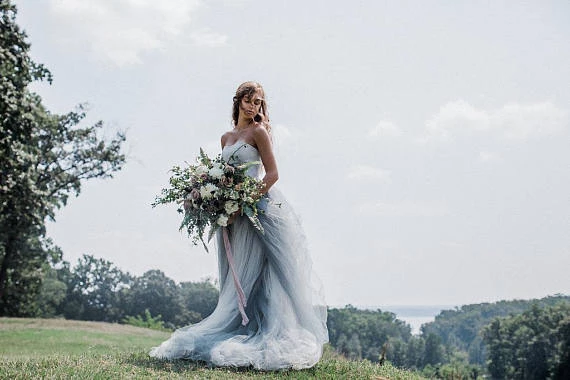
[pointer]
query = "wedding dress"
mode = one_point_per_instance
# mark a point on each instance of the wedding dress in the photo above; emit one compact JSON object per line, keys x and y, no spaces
{"x":285,"y":307}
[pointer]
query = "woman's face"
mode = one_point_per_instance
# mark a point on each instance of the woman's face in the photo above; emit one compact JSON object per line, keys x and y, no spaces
{"x":250,"y":105}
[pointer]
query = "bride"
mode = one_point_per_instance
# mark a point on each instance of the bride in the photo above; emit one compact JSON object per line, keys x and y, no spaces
{"x":279,"y":321}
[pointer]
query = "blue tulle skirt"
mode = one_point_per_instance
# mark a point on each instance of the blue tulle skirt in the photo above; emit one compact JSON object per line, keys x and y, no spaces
{"x":285,"y":305}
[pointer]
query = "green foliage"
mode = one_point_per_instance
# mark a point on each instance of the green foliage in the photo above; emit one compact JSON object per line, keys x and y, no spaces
{"x":148,"y":321}
{"x":460,"y":331}
{"x":52,"y":294}
{"x":359,"y":333}
{"x":531,"y":345}
{"x":95,"y":291}
{"x":460,"y":328}
{"x":563,"y":350}
{"x":199,"y":297}
{"x":44,"y":159}
{"x":159,"y":294}
{"x":450,"y":347}
{"x":433,"y":351}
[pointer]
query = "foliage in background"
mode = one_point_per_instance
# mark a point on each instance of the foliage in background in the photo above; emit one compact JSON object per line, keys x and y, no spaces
{"x":460,"y":330}
{"x":360,"y":334}
{"x":531,"y":345}
{"x":45,"y":157}
{"x":96,"y":290}
{"x":148,"y":321}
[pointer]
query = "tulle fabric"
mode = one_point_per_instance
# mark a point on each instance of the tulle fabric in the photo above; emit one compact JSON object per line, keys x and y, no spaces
{"x":285,"y":303}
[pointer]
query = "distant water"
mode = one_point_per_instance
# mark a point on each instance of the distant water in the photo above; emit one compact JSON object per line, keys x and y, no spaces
{"x":413,"y":315}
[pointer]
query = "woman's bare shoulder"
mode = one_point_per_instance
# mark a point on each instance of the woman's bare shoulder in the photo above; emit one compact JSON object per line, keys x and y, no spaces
{"x":225,"y":137}
{"x":259,"y":131}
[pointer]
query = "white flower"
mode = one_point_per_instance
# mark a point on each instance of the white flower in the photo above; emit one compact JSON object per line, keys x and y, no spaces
{"x":234,"y":195}
{"x":208,"y":191}
{"x":201,"y":169}
{"x":231,"y":207}
{"x":216,"y":172}
{"x":222,"y":220}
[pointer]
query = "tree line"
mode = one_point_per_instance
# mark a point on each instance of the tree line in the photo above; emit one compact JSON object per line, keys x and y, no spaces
{"x":96,"y":290}
{"x":519,"y":339}
{"x":505,"y":339}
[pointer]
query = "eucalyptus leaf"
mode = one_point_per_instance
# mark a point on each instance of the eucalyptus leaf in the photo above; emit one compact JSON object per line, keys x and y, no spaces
{"x":212,"y":232}
{"x":247,"y":210}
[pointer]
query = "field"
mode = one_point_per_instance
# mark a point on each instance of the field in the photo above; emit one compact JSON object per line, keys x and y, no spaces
{"x":56,"y":348}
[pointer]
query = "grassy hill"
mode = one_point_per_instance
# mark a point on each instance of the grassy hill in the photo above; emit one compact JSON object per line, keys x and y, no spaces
{"x":55,"y":348}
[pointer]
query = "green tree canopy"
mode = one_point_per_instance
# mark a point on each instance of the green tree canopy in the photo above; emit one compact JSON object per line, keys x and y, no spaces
{"x":531,"y":345}
{"x":45,"y":157}
{"x":95,"y":290}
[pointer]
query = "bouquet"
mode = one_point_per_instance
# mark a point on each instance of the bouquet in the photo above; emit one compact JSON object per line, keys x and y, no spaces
{"x":210,"y":192}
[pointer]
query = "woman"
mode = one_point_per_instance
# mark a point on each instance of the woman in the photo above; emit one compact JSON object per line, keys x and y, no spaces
{"x":281,"y":320}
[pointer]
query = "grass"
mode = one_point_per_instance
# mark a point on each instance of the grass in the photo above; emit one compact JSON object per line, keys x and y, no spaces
{"x":54,"y":349}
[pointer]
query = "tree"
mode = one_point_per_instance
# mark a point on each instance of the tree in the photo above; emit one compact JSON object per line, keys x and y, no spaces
{"x":562,"y":369}
{"x":500,"y":352}
{"x":95,"y":291}
{"x":367,"y":329}
{"x":159,"y":294}
{"x":53,"y":291}
{"x":44,"y":159}
{"x":199,"y":297}
{"x":460,"y":331}
{"x":354,"y":348}
{"x":415,"y":352}
{"x":531,"y":345}
{"x":433,"y":353}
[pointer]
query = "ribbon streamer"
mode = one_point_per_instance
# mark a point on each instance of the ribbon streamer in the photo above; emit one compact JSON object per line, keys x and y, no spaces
{"x":242,"y":302}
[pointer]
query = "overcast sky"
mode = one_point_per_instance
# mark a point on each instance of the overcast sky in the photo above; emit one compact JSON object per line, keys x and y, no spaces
{"x":425,"y":144}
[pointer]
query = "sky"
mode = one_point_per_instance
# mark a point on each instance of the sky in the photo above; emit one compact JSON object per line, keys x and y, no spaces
{"x":424,"y":144}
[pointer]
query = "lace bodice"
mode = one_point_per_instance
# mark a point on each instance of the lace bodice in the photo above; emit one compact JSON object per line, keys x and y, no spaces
{"x":241,"y":152}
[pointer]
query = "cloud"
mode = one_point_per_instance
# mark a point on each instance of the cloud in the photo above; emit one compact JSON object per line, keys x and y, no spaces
{"x":385,"y":129}
{"x":207,"y":38}
{"x":119,"y":31}
{"x":370,"y":173}
{"x":403,"y":208}
{"x":512,"y":121}
{"x":453,"y":116}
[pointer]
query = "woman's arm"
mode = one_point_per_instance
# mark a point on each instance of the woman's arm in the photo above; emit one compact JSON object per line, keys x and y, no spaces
{"x":265,"y":148}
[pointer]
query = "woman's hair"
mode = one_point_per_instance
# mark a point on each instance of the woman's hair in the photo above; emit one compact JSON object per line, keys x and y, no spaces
{"x":248,"y":89}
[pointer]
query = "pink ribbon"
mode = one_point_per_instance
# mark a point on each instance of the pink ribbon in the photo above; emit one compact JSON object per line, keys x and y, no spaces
{"x":242,"y":302}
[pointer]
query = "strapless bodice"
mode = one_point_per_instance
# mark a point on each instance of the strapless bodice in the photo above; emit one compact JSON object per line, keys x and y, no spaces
{"x":241,"y":152}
